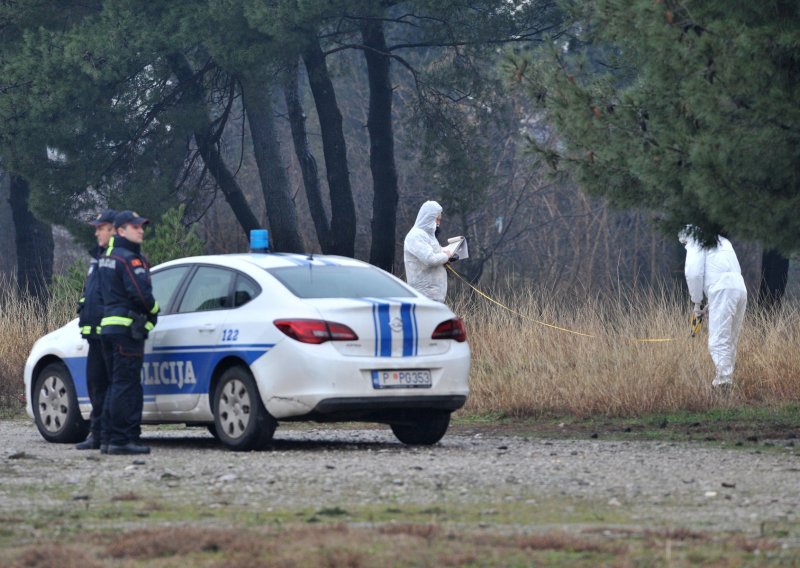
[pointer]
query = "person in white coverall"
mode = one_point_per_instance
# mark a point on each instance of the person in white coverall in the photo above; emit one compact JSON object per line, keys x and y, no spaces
{"x":715,"y":271}
{"x":423,"y":256}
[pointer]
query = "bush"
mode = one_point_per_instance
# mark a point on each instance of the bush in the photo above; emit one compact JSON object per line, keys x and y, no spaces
{"x":172,"y":239}
{"x":23,"y":320}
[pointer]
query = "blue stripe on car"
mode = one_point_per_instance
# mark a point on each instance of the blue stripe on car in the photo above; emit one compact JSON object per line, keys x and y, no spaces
{"x":175,"y":370}
{"x":228,"y":347}
{"x":408,"y":329}
{"x":415,"y":328}
{"x":386,"y":329}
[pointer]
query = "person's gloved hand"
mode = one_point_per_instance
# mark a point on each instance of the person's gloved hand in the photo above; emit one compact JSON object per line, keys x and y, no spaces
{"x":698,"y":310}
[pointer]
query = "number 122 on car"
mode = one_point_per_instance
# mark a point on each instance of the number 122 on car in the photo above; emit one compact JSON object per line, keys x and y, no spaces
{"x":407,"y":379}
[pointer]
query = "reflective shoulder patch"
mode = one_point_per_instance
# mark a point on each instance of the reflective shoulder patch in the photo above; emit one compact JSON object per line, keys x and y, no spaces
{"x":136,"y":262}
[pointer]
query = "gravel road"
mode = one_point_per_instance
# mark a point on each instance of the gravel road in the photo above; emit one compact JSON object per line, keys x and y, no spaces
{"x":753,"y":490}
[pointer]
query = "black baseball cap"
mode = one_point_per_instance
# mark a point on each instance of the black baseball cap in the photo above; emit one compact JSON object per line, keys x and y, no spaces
{"x":128,"y":217}
{"x":106,"y":216}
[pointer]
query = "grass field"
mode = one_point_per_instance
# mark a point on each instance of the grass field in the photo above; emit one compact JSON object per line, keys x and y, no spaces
{"x":548,"y":354}
{"x":525,"y":367}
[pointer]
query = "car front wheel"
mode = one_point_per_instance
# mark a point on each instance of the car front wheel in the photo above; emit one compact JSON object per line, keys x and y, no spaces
{"x":423,"y":428}
{"x":55,"y":406}
{"x":240,"y":419}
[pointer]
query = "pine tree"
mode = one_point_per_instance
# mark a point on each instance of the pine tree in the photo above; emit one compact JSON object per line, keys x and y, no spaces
{"x":690,"y":109}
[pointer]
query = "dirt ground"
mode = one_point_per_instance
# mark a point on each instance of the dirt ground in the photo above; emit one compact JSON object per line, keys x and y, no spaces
{"x":499,"y":475}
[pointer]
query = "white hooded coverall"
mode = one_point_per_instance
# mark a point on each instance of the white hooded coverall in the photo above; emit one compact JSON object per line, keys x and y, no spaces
{"x":423,"y":256}
{"x":716,"y":272}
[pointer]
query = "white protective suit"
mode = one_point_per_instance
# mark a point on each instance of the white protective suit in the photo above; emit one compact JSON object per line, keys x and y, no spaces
{"x":423,"y":256}
{"x":716,"y":272}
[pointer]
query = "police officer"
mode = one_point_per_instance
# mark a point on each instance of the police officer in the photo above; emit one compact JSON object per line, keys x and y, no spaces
{"x":90,"y":312}
{"x":129,"y":313}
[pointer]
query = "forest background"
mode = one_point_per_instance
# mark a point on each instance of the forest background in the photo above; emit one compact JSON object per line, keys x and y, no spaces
{"x":567,"y":142}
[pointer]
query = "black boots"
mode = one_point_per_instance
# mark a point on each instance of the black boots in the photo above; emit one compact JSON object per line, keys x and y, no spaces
{"x":90,"y":443}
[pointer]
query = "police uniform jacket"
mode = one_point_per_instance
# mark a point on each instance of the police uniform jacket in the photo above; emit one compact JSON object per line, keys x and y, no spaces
{"x":125,"y":286}
{"x":90,"y":306}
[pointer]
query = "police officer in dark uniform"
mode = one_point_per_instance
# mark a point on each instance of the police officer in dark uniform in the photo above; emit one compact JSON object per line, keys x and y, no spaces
{"x":129,"y":313}
{"x":90,"y":312}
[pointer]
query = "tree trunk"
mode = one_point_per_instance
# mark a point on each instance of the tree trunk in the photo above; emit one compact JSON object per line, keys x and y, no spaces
{"x":308,"y":164}
{"x":208,"y":149}
{"x":281,"y":212}
{"x":343,"y":210}
{"x":381,"y":147}
{"x":34,"y":243}
{"x":225,"y":180}
{"x":8,"y":259}
{"x":774,"y":275}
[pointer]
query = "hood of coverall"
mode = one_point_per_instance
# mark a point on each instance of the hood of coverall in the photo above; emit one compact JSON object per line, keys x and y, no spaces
{"x":686,"y":234}
{"x":426,"y":218}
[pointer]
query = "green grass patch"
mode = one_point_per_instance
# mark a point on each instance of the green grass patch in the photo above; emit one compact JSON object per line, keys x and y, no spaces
{"x":740,"y":425}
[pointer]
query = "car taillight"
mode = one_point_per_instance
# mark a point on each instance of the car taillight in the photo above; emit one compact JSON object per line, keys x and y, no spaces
{"x":315,"y":331}
{"x":450,"y":329}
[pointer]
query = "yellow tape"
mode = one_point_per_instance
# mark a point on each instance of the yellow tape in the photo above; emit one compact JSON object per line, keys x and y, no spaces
{"x":515,"y":312}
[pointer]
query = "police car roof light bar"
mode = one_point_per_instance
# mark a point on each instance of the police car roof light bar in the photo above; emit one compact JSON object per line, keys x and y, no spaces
{"x":259,"y":240}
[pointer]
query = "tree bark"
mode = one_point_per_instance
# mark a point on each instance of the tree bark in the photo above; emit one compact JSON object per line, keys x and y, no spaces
{"x":225,"y":180}
{"x":8,"y":260}
{"x":381,"y":146}
{"x":308,"y":164}
{"x":34,"y":243}
{"x":281,"y":212}
{"x":343,"y":210}
{"x":208,"y":149}
{"x":774,"y":276}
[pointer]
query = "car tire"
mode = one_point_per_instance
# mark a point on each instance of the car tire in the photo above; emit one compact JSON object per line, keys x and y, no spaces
{"x":212,"y":429}
{"x":240,"y":419}
{"x":423,"y":429}
{"x":55,"y":406}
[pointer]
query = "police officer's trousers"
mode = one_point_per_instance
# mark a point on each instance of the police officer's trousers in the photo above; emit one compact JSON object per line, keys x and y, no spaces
{"x":97,"y":382}
{"x":123,"y":409}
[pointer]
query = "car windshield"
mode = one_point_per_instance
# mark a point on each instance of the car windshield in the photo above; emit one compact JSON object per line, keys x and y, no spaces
{"x":339,"y":282}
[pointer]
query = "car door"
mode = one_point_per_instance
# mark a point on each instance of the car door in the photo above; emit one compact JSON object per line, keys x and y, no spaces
{"x":166,"y":284}
{"x":186,"y":343}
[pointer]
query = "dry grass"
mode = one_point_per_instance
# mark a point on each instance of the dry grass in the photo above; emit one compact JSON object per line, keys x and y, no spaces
{"x":522,"y":368}
{"x":339,"y":545}
{"x":22,"y":321}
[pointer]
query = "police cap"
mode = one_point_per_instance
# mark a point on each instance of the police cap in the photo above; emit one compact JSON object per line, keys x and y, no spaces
{"x":128,"y":218}
{"x":106,"y":216}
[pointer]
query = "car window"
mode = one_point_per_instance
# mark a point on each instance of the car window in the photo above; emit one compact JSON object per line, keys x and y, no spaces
{"x":165,"y":282}
{"x":245,"y":291}
{"x":339,"y":282}
{"x":209,"y":289}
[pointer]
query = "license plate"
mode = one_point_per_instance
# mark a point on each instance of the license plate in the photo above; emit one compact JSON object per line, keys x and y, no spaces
{"x":402,"y":379}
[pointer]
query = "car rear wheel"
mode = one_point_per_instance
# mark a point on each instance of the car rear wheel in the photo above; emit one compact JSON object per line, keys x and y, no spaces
{"x":240,"y":419}
{"x":212,"y":429}
{"x":423,"y":428}
{"x":55,"y":406}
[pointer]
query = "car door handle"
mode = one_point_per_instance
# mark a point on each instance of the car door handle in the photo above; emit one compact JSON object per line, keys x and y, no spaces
{"x":207,"y":328}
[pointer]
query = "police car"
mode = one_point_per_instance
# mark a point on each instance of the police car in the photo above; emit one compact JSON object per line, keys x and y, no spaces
{"x":244,"y":341}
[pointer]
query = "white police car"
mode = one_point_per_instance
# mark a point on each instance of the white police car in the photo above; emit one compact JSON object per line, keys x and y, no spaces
{"x":246,"y":340}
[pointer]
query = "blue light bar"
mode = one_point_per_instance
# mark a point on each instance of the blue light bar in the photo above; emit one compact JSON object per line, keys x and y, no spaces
{"x":259,"y":240}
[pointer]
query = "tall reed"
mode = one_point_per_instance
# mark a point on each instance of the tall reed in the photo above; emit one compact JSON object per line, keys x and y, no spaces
{"x":23,"y":319}
{"x":522,"y":368}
